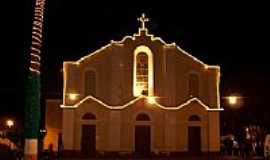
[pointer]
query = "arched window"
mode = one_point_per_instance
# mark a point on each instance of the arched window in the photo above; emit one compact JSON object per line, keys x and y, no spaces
{"x":89,"y":116}
{"x":194,"y":118}
{"x":142,"y":73}
{"x":193,"y":85}
{"x":142,"y":117}
{"x":90,"y":83}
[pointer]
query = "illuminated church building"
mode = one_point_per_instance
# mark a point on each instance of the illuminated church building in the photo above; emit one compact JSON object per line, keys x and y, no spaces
{"x":138,"y":95}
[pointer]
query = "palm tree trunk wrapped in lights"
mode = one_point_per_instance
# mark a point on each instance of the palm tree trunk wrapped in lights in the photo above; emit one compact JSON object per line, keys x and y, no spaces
{"x":32,"y":108}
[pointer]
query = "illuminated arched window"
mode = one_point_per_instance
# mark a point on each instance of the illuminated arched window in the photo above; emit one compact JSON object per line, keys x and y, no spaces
{"x":90,"y":83}
{"x":142,"y":117}
{"x":142,"y":73}
{"x":193,"y":85}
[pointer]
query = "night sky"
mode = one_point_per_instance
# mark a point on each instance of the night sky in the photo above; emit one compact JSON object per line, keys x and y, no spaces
{"x":234,"y":36}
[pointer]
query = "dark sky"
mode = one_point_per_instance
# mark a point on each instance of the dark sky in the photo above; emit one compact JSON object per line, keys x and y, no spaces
{"x":234,"y":36}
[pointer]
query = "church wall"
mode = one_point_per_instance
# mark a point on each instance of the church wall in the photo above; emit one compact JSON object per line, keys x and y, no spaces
{"x":101,"y":65}
{"x":75,"y":80}
{"x":181,"y":135}
{"x":159,"y":135}
{"x":126,"y":74}
{"x":178,"y":68}
{"x":157,"y":52}
{"x":53,"y":123}
{"x":213,"y":82}
{"x":115,"y":130}
{"x":68,"y":129}
{"x":183,"y":68}
{"x":183,"y":124}
{"x":114,"y":74}
{"x":214,"y":132}
{"x":121,"y":69}
{"x":72,"y":82}
{"x":170,"y":80}
{"x":169,"y":129}
{"x":129,"y":115}
{"x":102,"y":128}
{"x":118,"y":68}
{"x":127,"y":129}
{"x":159,"y":71}
{"x":114,"y":86}
{"x":204,"y":86}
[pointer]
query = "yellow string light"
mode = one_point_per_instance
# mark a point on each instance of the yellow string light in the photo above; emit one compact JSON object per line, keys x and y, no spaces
{"x":153,"y":39}
{"x":34,"y":70}
{"x":37,"y":56}
{"x":36,"y":36}
{"x":139,"y":98}
{"x":35,"y":62}
{"x":35,"y":49}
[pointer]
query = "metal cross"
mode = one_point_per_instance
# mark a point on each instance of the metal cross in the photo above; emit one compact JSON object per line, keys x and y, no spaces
{"x":143,"y":19}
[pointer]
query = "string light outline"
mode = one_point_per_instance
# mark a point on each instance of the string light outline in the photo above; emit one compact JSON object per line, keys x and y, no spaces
{"x":36,"y":37}
{"x":152,"y":38}
{"x":118,"y":107}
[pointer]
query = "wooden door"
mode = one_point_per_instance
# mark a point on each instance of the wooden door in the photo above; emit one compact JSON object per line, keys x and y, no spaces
{"x":142,"y":140}
{"x":194,"y":140}
{"x":88,"y":140}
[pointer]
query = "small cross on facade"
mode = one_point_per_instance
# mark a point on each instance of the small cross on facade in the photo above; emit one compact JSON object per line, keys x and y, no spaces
{"x":143,"y":19}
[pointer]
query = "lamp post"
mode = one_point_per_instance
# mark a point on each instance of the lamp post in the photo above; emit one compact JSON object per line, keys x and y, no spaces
{"x":9,"y":124}
{"x":233,"y":103}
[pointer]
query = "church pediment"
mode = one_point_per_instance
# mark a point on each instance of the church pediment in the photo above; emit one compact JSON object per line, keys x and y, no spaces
{"x":141,"y":38}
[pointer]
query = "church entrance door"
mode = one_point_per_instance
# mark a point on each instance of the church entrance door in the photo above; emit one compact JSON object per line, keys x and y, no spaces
{"x":142,"y":140}
{"x":194,"y":140}
{"x":88,"y":140}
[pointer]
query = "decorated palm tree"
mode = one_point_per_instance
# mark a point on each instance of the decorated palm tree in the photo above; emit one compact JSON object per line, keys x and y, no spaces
{"x":32,"y":108}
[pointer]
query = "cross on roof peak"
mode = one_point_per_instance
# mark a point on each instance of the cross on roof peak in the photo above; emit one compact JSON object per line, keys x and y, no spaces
{"x":143,"y":19}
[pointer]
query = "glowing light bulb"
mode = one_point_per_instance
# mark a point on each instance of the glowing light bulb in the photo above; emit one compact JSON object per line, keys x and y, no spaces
{"x":10,"y":123}
{"x":73,"y":96}
{"x":138,"y":91}
{"x":232,"y":100}
{"x":151,"y":100}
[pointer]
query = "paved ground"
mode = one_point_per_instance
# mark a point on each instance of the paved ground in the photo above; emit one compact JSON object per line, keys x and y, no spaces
{"x":5,"y":153}
{"x":181,"y":158}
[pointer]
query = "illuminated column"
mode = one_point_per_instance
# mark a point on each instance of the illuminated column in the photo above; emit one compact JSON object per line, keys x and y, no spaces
{"x":68,"y":129}
{"x":115,"y":131}
{"x":214,"y":131}
{"x":32,"y":106}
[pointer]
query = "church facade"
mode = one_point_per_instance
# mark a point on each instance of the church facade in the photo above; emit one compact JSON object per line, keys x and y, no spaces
{"x":139,"y":95}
